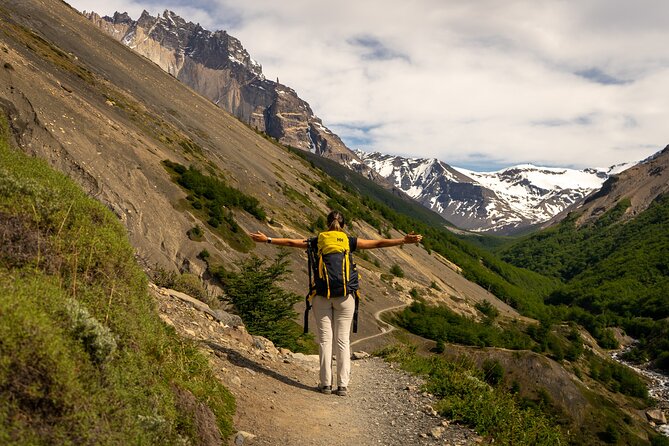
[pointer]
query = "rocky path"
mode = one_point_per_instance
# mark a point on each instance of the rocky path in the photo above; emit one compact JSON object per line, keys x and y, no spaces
{"x":277,"y":403}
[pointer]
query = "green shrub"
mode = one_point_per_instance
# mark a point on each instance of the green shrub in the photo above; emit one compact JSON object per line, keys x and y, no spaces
{"x":493,"y":372}
{"x":192,"y":285}
{"x":611,"y":435}
{"x":396,"y":270}
{"x":196,"y":233}
{"x":659,"y":440}
{"x":318,"y":225}
{"x":266,"y":308}
{"x":212,"y":199}
{"x":439,"y":322}
{"x":465,"y":397}
{"x":97,"y":340}
{"x":487,"y":309}
{"x":617,"y":377}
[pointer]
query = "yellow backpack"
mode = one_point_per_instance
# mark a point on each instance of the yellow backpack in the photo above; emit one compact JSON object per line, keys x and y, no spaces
{"x":332,"y":272}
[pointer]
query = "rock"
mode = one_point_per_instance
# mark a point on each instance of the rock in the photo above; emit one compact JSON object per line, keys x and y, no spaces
{"x":240,"y":88}
{"x":167,"y":320}
{"x":360,"y":355}
{"x":224,"y":317}
{"x":265,"y":345}
{"x":656,"y":416}
{"x":412,"y":388}
{"x":236,"y":380}
{"x":231,"y":320}
{"x":243,"y":438}
{"x":239,"y":334}
{"x":205,"y":423}
{"x":437,"y":432}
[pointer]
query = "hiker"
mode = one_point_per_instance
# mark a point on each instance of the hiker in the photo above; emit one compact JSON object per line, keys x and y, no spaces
{"x":335,"y":306}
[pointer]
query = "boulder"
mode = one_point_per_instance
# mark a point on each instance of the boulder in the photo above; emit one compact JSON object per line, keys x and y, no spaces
{"x":656,"y":416}
{"x":243,"y":438}
{"x":360,"y":355}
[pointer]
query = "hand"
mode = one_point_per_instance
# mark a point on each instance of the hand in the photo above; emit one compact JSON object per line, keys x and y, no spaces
{"x":258,"y":237}
{"x":412,"y":238}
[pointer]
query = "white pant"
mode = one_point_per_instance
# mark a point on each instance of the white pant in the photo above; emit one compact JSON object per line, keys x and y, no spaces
{"x":333,"y":319}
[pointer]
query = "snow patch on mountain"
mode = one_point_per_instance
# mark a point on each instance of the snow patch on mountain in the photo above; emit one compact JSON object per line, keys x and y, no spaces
{"x":502,"y":202}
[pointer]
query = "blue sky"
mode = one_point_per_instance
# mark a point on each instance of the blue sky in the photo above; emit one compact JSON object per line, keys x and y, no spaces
{"x":478,"y":84}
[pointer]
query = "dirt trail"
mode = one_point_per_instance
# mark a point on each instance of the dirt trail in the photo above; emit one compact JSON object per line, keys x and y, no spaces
{"x":276,"y":395}
{"x":386,"y":328}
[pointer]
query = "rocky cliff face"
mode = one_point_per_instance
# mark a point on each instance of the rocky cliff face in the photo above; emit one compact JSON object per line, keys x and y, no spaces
{"x":216,"y":65}
{"x":500,"y":202}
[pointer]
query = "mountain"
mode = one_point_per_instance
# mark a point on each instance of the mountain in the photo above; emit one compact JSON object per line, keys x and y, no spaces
{"x":216,"y":65}
{"x":186,"y":181}
{"x":641,"y":184}
{"x":611,"y":257}
{"x":503,"y":202}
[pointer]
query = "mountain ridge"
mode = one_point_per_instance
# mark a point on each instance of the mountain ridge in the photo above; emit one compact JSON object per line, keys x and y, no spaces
{"x":503,"y":202}
{"x":216,"y":65}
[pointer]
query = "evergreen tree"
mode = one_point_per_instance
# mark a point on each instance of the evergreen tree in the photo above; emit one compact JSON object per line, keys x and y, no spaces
{"x":266,"y":309}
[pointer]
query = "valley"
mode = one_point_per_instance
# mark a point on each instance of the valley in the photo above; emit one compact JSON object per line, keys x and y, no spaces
{"x":101,"y":144}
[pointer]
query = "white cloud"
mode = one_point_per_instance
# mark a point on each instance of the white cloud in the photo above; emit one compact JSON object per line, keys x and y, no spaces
{"x":476,"y":84}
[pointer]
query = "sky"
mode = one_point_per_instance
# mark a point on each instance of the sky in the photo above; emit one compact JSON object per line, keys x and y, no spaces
{"x":477,"y":84}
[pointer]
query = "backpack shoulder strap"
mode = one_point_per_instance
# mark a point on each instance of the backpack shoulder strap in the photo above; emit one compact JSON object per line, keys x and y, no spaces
{"x":312,"y":252}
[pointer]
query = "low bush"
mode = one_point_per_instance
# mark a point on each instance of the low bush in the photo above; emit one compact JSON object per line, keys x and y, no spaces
{"x":465,"y":396}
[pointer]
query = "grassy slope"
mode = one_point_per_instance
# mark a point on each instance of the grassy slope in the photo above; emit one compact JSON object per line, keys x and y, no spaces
{"x":521,"y":288}
{"x":616,"y":272}
{"x":84,"y":355}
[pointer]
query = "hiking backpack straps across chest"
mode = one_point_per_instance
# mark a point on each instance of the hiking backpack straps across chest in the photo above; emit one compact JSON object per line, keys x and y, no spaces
{"x":332,"y":272}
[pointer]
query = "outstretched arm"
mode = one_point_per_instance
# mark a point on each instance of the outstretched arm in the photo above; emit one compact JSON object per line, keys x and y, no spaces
{"x":387,"y":242}
{"x":259,"y":237}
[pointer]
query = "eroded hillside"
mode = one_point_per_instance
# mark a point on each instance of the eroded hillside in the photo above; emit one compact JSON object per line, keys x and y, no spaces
{"x":108,"y":118}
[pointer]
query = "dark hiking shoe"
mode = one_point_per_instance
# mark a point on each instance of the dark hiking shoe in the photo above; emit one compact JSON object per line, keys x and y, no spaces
{"x":325,"y":389}
{"x":341,"y":391}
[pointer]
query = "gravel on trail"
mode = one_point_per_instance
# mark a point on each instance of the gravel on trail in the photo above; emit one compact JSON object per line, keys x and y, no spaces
{"x":278,"y":403}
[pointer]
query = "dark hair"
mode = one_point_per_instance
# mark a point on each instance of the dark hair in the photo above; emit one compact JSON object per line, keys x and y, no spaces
{"x":336,"y":221}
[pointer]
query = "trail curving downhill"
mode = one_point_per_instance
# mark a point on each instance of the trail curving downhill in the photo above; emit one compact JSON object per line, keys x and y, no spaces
{"x":386,"y":328}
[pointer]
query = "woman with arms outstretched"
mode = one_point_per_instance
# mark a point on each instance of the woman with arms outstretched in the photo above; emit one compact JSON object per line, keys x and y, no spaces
{"x":334,"y":308}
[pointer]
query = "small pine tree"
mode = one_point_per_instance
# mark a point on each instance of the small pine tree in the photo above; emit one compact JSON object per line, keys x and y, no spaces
{"x":266,"y":309}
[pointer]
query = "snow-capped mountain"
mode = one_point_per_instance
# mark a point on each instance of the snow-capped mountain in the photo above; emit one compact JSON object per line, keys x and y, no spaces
{"x":501,"y":202}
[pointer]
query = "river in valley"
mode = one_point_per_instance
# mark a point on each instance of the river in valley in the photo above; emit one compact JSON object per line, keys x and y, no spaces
{"x":658,"y":387}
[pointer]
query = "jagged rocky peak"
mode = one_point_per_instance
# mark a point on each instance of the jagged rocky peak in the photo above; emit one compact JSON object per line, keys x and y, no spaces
{"x":216,"y":65}
{"x":122,"y":18}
